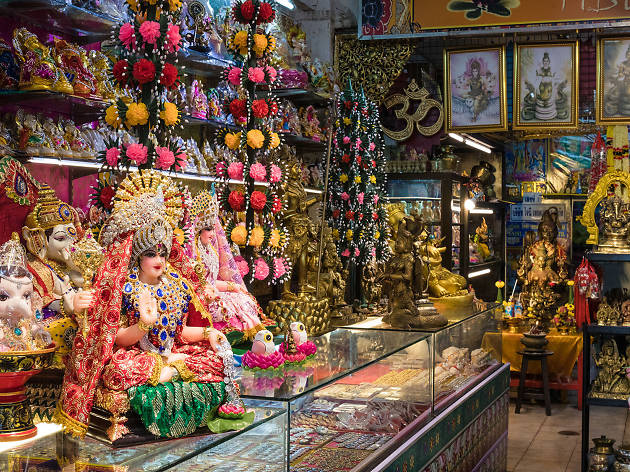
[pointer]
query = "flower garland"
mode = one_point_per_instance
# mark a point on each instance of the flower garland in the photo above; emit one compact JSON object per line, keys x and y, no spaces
{"x":146,"y":69}
{"x":356,"y":183}
{"x":251,"y":157}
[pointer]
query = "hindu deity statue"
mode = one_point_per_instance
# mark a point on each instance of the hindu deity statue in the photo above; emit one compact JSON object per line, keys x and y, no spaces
{"x":614,"y":225}
{"x":441,"y":282}
{"x":59,"y":145}
{"x":50,"y":230}
{"x":139,"y":350}
{"x":310,"y":123}
{"x":197,"y":101}
{"x":481,"y":240}
{"x":99,"y":65}
{"x":233,"y":307}
{"x":611,"y":381}
{"x":31,"y":138}
{"x":73,"y":62}
{"x":300,"y":227}
{"x":9,"y":70}
{"x":38,"y":70}
{"x":545,"y":102}
{"x":21,"y":327}
{"x":542,"y":270}
{"x":332,"y":276}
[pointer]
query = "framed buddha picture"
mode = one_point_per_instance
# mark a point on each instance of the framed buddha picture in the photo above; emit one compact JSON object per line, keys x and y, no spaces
{"x":475,"y":89}
{"x":545,"y":85}
{"x":613,"y":81}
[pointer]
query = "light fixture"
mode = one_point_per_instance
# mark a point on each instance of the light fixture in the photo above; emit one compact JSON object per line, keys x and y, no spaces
{"x":483,"y":211}
{"x":64,"y":162}
{"x":456,"y":137}
{"x":455,"y":208}
{"x":476,"y":145}
{"x":470,"y":203}
{"x":478,"y":273}
{"x":288,"y":4}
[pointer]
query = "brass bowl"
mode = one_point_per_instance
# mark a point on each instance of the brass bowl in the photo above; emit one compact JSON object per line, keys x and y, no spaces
{"x":21,"y":361}
{"x":454,"y":308}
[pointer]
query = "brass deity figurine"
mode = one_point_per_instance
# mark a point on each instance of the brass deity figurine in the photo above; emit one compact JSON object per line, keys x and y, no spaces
{"x":611,"y":381}
{"x":542,"y":270}
{"x":607,"y":315}
{"x":614,"y":225}
{"x":100,"y":65}
{"x":442,"y":282}
{"x":73,"y":62}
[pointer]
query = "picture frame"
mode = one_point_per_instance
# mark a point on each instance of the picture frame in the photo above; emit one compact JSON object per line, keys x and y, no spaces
{"x":546,"y":85}
{"x":475,"y":89}
{"x":612,"y":102}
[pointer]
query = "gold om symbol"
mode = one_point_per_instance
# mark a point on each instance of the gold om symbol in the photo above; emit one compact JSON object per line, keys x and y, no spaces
{"x":413,"y":92}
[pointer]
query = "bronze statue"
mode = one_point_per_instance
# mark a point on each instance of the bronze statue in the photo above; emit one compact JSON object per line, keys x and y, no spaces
{"x":542,"y":270}
{"x":611,"y":381}
{"x":614,"y":225}
{"x":441,"y":282}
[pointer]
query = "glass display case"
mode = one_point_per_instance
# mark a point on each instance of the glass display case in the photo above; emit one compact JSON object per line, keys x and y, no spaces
{"x":486,"y":239}
{"x":437,"y":196}
{"x":354,"y":401}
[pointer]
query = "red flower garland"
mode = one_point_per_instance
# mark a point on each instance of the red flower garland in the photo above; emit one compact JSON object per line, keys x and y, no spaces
{"x":247,"y":10}
{"x":169,"y":76}
{"x":238,"y":109}
{"x":236,"y":200}
{"x":121,"y":72}
{"x":107,"y":197}
{"x":258,"y":200}
{"x":260,"y":108}
{"x":144,"y":71}
{"x":265,"y":13}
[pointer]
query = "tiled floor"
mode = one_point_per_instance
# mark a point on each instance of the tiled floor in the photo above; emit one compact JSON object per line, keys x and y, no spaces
{"x":540,"y":443}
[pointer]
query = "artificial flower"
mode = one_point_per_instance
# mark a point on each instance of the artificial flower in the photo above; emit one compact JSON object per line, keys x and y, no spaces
{"x":232,"y":140}
{"x":336,"y":214}
{"x":112,"y":155}
{"x":273,"y":107}
{"x":358,"y":159}
{"x":255,"y":139}
{"x":275,"y":175}
{"x":275,"y":140}
{"x":266,"y":13}
{"x":120,"y":72}
{"x":238,"y":109}
{"x":261,"y":269}
{"x":274,"y":238}
{"x":256,"y":237}
{"x":372,"y":146}
{"x":174,"y":5}
{"x":127,"y":35}
{"x":169,"y":75}
{"x":258,"y":200}
{"x":373,"y":179}
{"x":345,"y":158}
{"x":256,"y":75}
{"x":258,"y":172}
{"x":173,"y":38}
{"x":277,"y":204}
{"x":144,"y":71}
{"x":111,"y":116}
{"x":235,"y":170}
{"x":166,"y":158}
{"x":357,"y":179}
{"x":335,"y":233}
{"x":272,"y":73}
{"x":137,"y":153}
{"x":343,"y":178}
{"x":240,"y":38}
{"x":236,"y":199}
{"x":345,"y":253}
{"x":247,"y":10}
{"x":570,"y":283}
{"x":279,"y":267}
{"x":375,"y":199}
{"x":344,"y":196}
{"x":347,"y":121}
{"x":239,"y":235}
{"x":234,"y":76}
{"x":243,"y":266}
{"x":499,"y":284}
{"x":346,"y":139}
{"x":220,"y":169}
{"x":349,"y":234}
{"x":350,"y":215}
{"x":377,"y":234}
{"x":260,"y":44}
{"x":356,"y":252}
{"x":150,"y":31}
{"x":107,"y":197}
{"x":137,"y":114}
{"x":260,"y":108}
{"x":170,"y":114}
{"x":360,"y":198}
{"x":181,"y":161}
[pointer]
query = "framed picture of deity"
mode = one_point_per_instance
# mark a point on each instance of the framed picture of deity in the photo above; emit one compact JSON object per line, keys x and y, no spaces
{"x":613,"y":81}
{"x":545,"y":85}
{"x":474,"y":81}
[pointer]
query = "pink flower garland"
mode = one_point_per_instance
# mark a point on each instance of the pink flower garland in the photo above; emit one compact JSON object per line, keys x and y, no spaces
{"x":173,"y":38}
{"x":137,"y":153}
{"x":261,"y":269}
{"x":234,"y":76}
{"x":112,"y":155}
{"x":275,"y":174}
{"x":127,"y":35}
{"x":150,"y":31}
{"x":235,"y":170}
{"x":243,"y":267}
{"x":166,"y":158}
{"x":258,"y":172}
{"x":256,"y":75}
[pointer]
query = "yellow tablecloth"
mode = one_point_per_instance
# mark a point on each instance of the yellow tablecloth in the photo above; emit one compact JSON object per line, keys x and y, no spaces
{"x":566,"y":350}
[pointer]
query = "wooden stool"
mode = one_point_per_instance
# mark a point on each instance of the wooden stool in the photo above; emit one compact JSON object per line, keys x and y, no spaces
{"x":534,"y":356}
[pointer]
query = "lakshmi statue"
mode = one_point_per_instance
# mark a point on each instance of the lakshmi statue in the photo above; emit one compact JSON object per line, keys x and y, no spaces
{"x":542,"y":270}
{"x":38,"y":70}
{"x":100,"y":65}
{"x":139,"y":351}
{"x":233,"y":307}
{"x":614,"y":225}
{"x":73,"y":62}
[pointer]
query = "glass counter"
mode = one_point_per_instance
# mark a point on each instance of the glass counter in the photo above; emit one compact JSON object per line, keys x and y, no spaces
{"x":353,"y":402}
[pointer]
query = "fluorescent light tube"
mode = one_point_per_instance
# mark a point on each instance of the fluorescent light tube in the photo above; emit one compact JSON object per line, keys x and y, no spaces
{"x":478,"y":273}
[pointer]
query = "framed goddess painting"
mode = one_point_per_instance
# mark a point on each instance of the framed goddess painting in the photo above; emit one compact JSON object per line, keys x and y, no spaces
{"x":613,"y":81}
{"x":475,"y":89}
{"x":545,"y":85}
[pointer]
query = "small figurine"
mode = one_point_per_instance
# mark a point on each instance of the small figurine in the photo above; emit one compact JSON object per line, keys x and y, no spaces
{"x":263,"y":354}
{"x":289,"y":348}
{"x":100,"y":65}
{"x":481,"y":240}
{"x":611,"y":381}
{"x":9,"y":70}
{"x":302,"y":344}
{"x":198,"y":102}
{"x":310,"y":123}
{"x":73,"y":62}
{"x":607,"y":315}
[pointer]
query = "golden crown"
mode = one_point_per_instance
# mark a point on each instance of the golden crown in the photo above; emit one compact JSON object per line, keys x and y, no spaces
{"x":205,"y":208}
{"x":49,"y":211}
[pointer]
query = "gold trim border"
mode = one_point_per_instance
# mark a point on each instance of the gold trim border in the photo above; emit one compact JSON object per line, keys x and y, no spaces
{"x":516,"y":90}
{"x":599,"y":96}
{"x":448,"y":122}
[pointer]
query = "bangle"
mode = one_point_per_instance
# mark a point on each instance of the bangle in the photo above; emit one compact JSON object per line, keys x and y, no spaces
{"x":231,"y":287}
{"x":206,"y":333}
{"x":144,"y":326}
{"x":62,"y":311}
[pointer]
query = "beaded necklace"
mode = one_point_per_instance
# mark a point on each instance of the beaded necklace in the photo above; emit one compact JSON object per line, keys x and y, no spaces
{"x":173,"y":296}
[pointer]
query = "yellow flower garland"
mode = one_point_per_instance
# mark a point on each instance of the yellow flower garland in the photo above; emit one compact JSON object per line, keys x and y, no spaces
{"x":111,"y":116}
{"x":233,"y":140}
{"x":137,"y":114}
{"x":275,"y":140}
{"x":256,"y":237}
{"x":170,"y":114}
{"x":239,"y":235}
{"x":255,"y":139}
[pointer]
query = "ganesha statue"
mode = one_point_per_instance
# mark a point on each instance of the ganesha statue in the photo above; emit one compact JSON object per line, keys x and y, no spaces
{"x":73,"y":62}
{"x":139,"y":350}
{"x":236,"y":311}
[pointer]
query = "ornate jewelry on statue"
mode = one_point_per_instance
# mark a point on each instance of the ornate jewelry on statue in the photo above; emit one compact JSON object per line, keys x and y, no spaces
{"x":206,"y":207}
{"x":146,"y":327}
{"x":13,"y":261}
